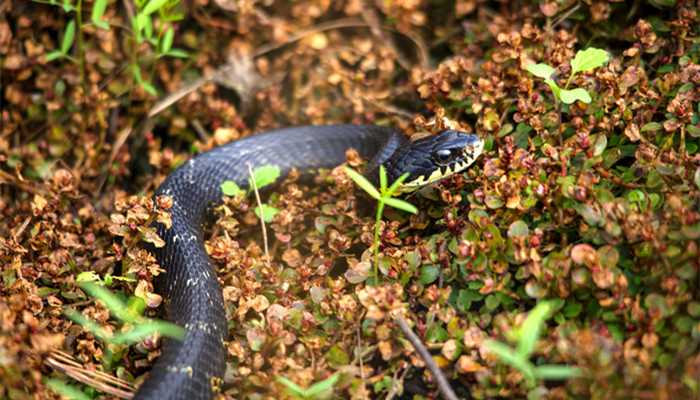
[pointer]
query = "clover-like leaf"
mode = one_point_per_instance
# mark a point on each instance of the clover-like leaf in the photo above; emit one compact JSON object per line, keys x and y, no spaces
{"x":230,"y":188}
{"x":588,"y":60}
{"x":569,"y":96}
{"x":543,"y":71}
{"x":268,"y":212}
{"x":266,"y":175}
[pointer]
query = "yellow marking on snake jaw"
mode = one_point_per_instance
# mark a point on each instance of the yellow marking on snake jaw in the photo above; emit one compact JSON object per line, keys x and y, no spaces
{"x":471,"y":153}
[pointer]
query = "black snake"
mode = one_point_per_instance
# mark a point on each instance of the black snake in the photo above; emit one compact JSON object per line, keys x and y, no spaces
{"x":194,"y":368}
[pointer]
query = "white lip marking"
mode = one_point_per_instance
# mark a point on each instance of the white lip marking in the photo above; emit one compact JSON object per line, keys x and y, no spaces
{"x":471,"y":153}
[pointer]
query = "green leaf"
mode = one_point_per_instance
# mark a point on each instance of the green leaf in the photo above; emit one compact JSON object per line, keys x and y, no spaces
{"x":492,"y":302}
{"x":541,"y":70}
{"x":320,"y":388}
{"x":568,"y":96}
{"x":98,"y":11}
{"x":68,"y":6}
{"x":696,"y":177}
{"x":68,"y":37}
{"x":268,"y":212}
{"x":588,"y":60}
{"x":87,"y":324}
{"x":230,"y":188}
{"x":136,"y":306}
{"x":153,"y":6}
{"x":401,"y":205}
{"x":292,"y":388}
{"x":508,"y":356}
{"x":66,"y":390}
{"x":556,"y":372}
{"x":396,"y":184}
{"x":144,"y":330}
{"x":114,"y":304}
{"x":139,"y":23}
{"x":150,"y":89}
{"x":167,"y":42}
{"x":265,"y":175}
{"x":88,"y":276}
{"x":54,"y":55}
{"x":601,"y":142}
{"x":177,"y":53}
{"x":363,"y":183}
{"x":428,"y":274}
{"x":436,"y":334}
{"x":382,"y":178}
{"x":651,"y":127}
{"x":518,"y":229}
{"x":530,"y":330}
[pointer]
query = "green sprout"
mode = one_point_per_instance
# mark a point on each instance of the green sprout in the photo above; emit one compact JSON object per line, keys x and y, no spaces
{"x":160,"y":38}
{"x":135,"y":327}
{"x":65,"y":390}
{"x":584,"y":61}
{"x":384,"y":197}
{"x":319,"y":390}
{"x":526,"y":337}
{"x":159,"y":35}
{"x":262,"y":176}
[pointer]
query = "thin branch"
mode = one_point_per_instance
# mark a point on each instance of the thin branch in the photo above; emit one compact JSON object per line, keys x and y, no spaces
{"x":443,"y":384}
{"x":262,"y":214}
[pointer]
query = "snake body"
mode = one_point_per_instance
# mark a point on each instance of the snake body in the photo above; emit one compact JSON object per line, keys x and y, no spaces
{"x":194,"y":367}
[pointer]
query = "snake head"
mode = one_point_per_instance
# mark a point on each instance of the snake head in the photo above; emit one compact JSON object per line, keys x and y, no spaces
{"x":432,"y":158}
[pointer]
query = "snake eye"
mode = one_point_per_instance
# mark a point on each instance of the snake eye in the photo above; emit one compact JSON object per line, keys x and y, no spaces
{"x":443,"y":156}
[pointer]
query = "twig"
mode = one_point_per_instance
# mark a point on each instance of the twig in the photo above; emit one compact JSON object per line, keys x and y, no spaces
{"x":201,"y":132}
{"x":262,"y":214}
{"x":6,"y":178}
{"x":101,"y":381}
{"x":443,"y":385}
{"x":566,"y":15}
{"x":116,"y":146}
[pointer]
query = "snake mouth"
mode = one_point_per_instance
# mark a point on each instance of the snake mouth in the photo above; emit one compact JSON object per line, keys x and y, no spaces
{"x":468,"y":154}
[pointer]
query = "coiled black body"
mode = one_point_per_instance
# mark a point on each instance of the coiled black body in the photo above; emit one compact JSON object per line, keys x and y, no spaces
{"x":189,"y":369}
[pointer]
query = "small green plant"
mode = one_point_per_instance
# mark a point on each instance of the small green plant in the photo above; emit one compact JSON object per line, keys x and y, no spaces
{"x":135,"y":327}
{"x":66,"y":390}
{"x":66,"y":44}
{"x":159,"y":35}
{"x":526,"y":337}
{"x":384,"y":197}
{"x":262,"y":176}
{"x":584,"y":61}
{"x":319,"y":390}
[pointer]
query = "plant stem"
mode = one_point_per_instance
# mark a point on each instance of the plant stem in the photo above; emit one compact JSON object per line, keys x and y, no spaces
{"x":262,"y":214}
{"x":440,"y":379}
{"x":377,"y":228}
{"x":81,"y":47}
{"x":568,"y":81}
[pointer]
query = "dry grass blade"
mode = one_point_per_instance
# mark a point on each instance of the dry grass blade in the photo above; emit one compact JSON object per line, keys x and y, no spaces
{"x":262,"y":219}
{"x":101,"y":381}
{"x":173,"y":97}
